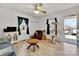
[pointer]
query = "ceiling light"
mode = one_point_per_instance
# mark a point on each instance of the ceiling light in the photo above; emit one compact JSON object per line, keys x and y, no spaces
{"x":38,"y":7}
{"x":36,"y":11}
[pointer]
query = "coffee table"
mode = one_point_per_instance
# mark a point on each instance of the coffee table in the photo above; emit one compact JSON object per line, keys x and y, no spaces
{"x":32,"y":42}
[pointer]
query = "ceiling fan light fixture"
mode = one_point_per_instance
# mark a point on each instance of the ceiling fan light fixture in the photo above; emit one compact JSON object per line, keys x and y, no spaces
{"x":36,"y":11}
{"x":38,"y":7}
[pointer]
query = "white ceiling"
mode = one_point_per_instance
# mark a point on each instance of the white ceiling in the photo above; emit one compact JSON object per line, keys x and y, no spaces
{"x":27,"y":8}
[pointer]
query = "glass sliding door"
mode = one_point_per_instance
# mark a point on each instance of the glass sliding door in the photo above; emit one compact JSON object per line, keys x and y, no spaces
{"x":70,"y":29}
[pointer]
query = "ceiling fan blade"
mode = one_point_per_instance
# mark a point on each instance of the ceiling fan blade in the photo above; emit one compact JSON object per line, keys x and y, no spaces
{"x":43,"y":11}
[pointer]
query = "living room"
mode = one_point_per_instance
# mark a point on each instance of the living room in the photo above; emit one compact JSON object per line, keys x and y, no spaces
{"x":20,"y":22}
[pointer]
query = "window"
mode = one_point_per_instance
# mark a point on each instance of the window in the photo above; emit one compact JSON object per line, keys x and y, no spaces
{"x":52,"y":26}
{"x":23,"y":26}
{"x":70,"y":27}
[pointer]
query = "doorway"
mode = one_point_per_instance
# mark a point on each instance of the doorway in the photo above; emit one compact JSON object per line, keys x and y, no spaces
{"x":70,"y":29}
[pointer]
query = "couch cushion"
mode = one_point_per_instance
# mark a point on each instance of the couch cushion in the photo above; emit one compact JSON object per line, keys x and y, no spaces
{"x":4,"y":45}
{"x":4,"y":39}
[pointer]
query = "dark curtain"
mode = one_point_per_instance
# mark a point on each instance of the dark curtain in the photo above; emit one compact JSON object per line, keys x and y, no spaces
{"x":47,"y":21}
{"x":48,"y":27}
{"x":56,"y":26}
{"x":19,"y":23}
{"x":27,"y":21}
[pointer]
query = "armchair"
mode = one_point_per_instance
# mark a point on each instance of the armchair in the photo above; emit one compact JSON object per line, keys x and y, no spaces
{"x":38,"y":34}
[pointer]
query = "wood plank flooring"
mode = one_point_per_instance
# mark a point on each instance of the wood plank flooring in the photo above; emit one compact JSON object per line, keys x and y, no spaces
{"x":46,"y":49}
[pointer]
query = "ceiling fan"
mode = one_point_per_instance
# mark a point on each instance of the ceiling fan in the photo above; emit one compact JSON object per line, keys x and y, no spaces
{"x":38,"y":8}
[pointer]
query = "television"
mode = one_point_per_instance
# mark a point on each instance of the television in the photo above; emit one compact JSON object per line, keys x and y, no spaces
{"x":10,"y":29}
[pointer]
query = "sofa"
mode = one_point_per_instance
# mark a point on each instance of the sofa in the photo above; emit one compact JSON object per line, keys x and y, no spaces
{"x":6,"y":48}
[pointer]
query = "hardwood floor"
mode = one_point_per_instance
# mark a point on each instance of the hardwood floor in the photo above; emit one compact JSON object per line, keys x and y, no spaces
{"x":46,"y":49}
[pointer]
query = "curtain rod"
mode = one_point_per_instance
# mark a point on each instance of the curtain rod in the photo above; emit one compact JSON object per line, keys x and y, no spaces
{"x":51,"y":18}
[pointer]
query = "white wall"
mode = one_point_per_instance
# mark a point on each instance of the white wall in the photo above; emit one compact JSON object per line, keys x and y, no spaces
{"x":9,"y":18}
{"x":60,"y":27}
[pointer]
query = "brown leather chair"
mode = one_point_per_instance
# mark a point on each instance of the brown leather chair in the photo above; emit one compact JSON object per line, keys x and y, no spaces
{"x":38,"y":34}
